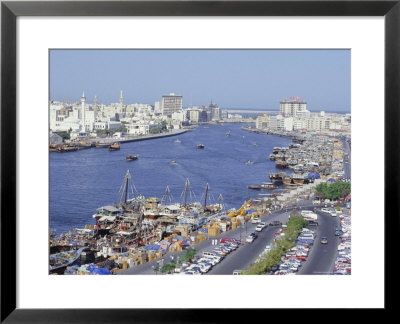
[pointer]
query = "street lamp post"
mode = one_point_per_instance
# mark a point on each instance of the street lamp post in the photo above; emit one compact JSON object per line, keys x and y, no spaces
{"x":240,"y":233}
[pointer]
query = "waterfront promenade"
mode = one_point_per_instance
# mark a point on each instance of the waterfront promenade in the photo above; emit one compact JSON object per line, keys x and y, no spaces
{"x":110,"y":140}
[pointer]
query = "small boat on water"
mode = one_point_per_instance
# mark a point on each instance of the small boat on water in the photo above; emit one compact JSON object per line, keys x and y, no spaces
{"x":177,"y":141}
{"x":114,"y":147}
{"x":228,"y":133}
{"x":132,"y":157}
{"x":200,"y":146}
{"x":173,"y":162}
{"x":60,"y":261}
{"x":254,"y":144}
{"x":249,"y":162}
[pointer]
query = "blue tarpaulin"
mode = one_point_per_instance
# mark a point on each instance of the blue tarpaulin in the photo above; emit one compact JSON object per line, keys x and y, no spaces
{"x":178,"y":237}
{"x":155,"y":247}
{"x":250,"y":211}
{"x":100,"y":271}
{"x":313,"y":175}
{"x":204,"y":230}
{"x":331,"y":180}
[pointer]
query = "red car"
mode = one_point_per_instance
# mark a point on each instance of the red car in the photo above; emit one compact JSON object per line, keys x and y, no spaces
{"x":229,"y":240}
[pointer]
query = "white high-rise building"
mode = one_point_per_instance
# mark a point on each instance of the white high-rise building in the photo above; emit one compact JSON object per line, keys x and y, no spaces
{"x":291,"y":107}
{"x":171,"y":103}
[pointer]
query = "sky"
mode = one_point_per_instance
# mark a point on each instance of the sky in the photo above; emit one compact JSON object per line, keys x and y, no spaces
{"x":256,"y":79}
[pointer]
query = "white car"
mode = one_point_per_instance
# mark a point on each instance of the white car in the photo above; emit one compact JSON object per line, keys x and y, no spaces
{"x":255,"y":220}
{"x":259,"y":228}
{"x":325,"y":210}
{"x":249,"y":239}
{"x":212,"y":261}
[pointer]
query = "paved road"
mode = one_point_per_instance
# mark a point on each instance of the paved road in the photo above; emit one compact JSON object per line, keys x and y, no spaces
{"x":321,"y":258}
{"x":246,"y":254}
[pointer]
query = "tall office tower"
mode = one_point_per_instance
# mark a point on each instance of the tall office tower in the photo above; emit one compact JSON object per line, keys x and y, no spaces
{"x":95,"y":104}
{"x":171,"y":103}
{"x":290,"y":107}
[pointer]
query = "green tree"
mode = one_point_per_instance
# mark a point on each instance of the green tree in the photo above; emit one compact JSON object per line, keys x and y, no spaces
{"x":189,"y":254}
{"x":168,"y":267}
{"x":334,"y":190}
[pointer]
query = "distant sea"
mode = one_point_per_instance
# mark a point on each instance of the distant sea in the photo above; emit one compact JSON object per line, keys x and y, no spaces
{"x":277,"y":110}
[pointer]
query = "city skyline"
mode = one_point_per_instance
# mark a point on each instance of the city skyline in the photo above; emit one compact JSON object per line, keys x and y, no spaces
{"x":252,"y":79}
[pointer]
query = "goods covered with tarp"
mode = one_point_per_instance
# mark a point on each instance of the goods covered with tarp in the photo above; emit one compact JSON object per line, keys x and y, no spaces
{"x":313,"y":175}
{"x":251,"y":211}
{"x":100,"y":271}
{"x":178,"y":238}
{"x":185,"y":242}
{"x":153,"y":247}
{"x":164,"y":245}
{"x":175,"y":247}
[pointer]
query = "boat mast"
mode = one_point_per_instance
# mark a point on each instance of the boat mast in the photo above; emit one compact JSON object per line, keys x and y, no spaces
{"x":185,"y":192}
{"x":221,"y":200}
{"x":165,"y":198}
{"x":205,"y":196}
{"x":124,"y":187}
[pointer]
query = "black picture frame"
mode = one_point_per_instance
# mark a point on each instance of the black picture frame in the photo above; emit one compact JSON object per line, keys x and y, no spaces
{"x":10,"y":10}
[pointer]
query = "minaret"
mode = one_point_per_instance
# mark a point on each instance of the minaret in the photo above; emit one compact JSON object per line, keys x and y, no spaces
{"x":83,"y":99}
{"x":121,"y":103}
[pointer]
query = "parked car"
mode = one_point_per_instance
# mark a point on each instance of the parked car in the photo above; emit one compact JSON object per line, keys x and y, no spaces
{"x":255,"y":220}
{"x":229,"y":240}
{"x":275,"y":223}
{"x":312,"y":223}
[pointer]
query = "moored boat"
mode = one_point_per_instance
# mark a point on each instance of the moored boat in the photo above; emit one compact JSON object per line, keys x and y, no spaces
{"x":281,"y":164}
{"x":102,"y":145}
{"x":59,"y":261}
{"x":114,"y":147}
{"x":254,"y":187}
{"x":200,"y":146}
